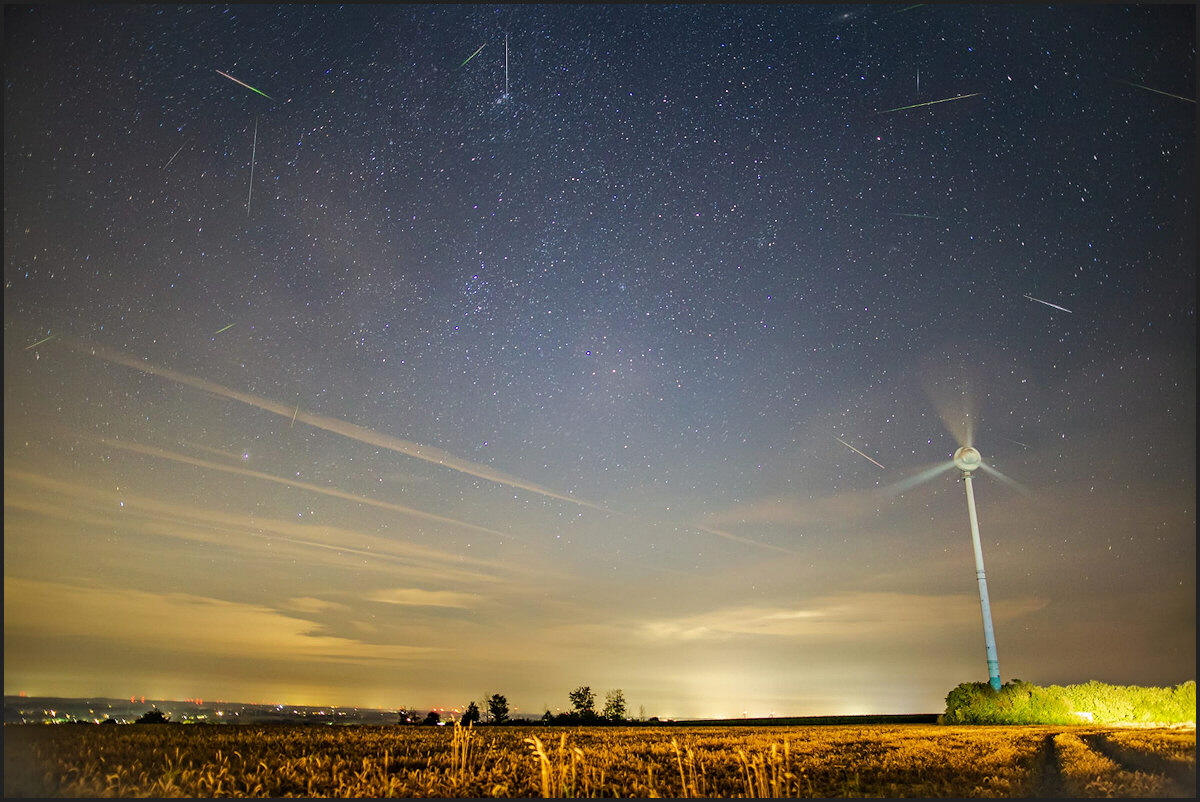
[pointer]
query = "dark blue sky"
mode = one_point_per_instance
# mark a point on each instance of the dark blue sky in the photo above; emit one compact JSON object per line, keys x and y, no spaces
{"x":430,"y":379}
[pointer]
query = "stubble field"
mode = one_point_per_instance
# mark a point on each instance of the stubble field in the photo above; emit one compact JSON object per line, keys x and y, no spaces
{"x":908,"y":760}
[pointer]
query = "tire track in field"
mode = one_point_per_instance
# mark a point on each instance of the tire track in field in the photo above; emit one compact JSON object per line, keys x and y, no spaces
{"x":1047,"y":773}
{"x":1180,"y":781}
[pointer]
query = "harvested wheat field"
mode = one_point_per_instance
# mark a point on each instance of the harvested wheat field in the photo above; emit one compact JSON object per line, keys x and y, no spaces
{"x":783,"y":761}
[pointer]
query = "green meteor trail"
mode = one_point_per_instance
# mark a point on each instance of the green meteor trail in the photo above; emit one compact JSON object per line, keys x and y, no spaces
{"x":248,"y":86}
{"x":39,"y":342}
{"x":473,"y":55}
{"x":929,"y":103}
{"x":230,"y":326}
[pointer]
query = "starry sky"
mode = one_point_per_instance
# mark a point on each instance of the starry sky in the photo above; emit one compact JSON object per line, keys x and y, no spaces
{"x":396,"y":356}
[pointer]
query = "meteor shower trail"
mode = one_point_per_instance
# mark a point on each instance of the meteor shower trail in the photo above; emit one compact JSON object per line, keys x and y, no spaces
{"x":253,"y":153}
{"x":855,"y":450}
{"x":930,"y":103}
{"x":168,"y":164}
{"x":248,"y":86}
{"x":1047,"y":303}
{"x":1159,"y":91}
{"x":473,"y":55}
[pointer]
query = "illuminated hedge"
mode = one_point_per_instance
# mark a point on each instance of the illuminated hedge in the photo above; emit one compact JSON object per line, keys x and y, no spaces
{"x":1020,"y":702}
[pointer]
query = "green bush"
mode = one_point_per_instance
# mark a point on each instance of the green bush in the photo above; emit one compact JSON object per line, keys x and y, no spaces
{"x":1020,"y":702}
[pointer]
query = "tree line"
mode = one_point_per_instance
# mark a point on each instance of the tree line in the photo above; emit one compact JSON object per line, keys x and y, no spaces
{"x":583,"y":711}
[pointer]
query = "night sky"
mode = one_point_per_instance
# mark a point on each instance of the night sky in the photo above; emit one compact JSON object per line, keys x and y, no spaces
{"x":348,"y":363}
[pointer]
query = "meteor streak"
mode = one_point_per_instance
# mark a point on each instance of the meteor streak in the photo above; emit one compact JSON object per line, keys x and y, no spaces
{"x":1047,"y":303}
{"x":168,"y":164}
{"x":473,"y":55}
{"x":1159,"y":91}
{"x":230,"y":326}
{"x":855,"y":450}
{"x":929,"y":103}
{"x":39,"y":342}
{"x":248,"y":86}
{"x":253,"y":153}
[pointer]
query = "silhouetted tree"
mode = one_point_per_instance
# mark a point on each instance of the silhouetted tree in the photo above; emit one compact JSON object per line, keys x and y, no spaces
{"x":432,"y":717}
{"x":498,"y":708}
{"x":153,"y":716}
{"x":614,"y":705}
{"x":470,"y":715}
{"x":584,"y":701}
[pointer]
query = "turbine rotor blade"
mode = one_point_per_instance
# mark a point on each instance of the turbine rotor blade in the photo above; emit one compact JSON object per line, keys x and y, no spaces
{"x":1012,"y":483}
{"x":905,"y":485}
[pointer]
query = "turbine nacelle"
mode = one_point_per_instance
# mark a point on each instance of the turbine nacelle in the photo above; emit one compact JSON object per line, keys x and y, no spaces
{"x":967,"y":459}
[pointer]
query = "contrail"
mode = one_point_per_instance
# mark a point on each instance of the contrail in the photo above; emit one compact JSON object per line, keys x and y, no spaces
{"x":327,"y":491}
{"x":364,"y":435}
{"x":1047,"y":303}
{"x":855,"y":450}
{"x":360,"y":433}
{"x":408,"y":554}
{"x":740,"y":539}
{"x":930,"y":103}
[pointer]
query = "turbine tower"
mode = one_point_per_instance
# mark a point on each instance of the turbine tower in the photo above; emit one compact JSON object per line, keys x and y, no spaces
{"x":968,"y":459}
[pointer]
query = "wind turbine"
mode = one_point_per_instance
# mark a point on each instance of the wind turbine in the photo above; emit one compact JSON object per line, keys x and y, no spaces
{"x":968,"y":460}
